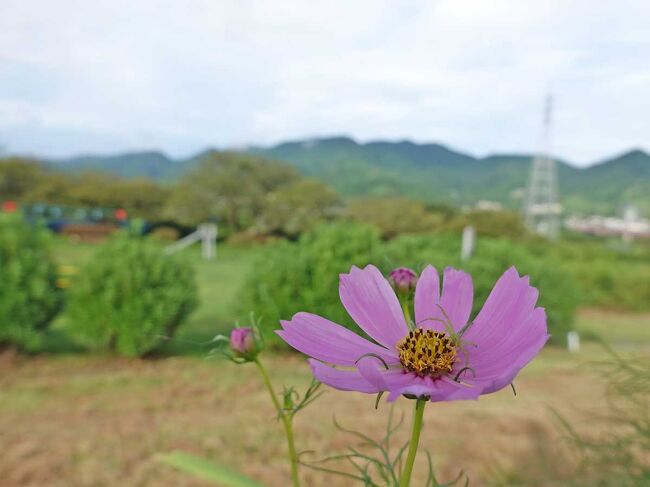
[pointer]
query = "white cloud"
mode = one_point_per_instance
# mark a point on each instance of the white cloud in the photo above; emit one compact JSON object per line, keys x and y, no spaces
{"x":109,"y":76}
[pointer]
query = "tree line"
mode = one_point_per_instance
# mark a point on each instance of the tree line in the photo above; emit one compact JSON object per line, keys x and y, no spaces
{"x":247,"y":195}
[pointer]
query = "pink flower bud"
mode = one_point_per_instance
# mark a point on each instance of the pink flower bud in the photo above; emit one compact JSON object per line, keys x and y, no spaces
{"x":242,"y":341}
{"x":403,"y":279}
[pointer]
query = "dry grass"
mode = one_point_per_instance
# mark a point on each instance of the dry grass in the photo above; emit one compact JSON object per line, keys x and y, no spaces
{"x":99,"y":421}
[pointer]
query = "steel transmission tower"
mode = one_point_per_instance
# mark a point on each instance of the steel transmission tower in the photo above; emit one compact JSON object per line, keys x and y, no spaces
{"x":541,"y":207}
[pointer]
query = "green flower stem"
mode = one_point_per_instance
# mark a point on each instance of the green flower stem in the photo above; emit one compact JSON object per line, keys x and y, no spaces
{"x":405,"y":480}
{"x":286,"y":421}
{"x":404,"y":301}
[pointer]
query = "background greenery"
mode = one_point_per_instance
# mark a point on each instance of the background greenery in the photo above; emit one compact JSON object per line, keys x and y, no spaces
{"x":291,"y":235}
{"x":278,"y":279}
{"x":301,"y":276}
{"x":239,"y":182}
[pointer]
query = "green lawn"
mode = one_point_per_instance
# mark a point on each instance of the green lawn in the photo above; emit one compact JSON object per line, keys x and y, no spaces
{"x":629,"y":329}
{"x":219,"y":281}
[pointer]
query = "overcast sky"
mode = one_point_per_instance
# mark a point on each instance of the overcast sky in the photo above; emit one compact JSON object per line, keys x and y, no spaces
{"x":109,"y":76}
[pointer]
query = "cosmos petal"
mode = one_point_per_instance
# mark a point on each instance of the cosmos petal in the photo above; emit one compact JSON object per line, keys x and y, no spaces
{"x":457,"y":296}
{"x":434,"y":309}
{"x":523,"y":349}
{"x":371,"y":302}
{"x":427,"y":299}
{"x":326,"y":341}
{"x":343,"y":380}
{"x":370,"y":369}
{"x":508,"y":332}
{"x":440,"y":389}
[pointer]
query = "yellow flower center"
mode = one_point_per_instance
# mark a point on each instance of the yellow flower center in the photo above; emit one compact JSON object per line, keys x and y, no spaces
{"x":427,"y":352}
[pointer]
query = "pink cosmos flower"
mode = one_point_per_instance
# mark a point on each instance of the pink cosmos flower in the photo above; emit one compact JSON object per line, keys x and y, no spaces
{"x":444,"y":356}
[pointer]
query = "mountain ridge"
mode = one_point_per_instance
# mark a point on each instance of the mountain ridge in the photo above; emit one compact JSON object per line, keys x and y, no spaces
{"x":79,"y":159}
{"x":430,"y":172}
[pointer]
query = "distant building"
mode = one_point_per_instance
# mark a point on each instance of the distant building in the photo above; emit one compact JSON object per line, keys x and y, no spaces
{"x":487,"y":205}
{"x":629,"y":227}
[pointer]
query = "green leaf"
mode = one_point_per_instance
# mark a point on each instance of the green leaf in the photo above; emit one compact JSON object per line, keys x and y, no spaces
{"x":206,"y":470}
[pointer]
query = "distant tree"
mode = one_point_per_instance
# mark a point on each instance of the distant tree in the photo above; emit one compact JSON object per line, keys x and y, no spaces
{"x":28,"y":181}
{"x":444,"y":209}
{"x":142,"y":197}
{"x":93,"y":188}
{"x":394,"y":216}
{"x":490,"y":223}
{"x":297,"y":207}
{"x":18,"y":176}
{"x":227,"y":186}
{"x":54,"y":188}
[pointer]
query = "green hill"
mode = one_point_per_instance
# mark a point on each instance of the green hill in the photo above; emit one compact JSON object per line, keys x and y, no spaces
{"x":155,"y":165}
{"x":427,"y":172}
{"x":432,"y":172}
{"x":611,"y":183}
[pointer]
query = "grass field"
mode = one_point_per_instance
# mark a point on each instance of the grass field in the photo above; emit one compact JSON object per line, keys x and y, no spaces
{"x":72,"y":419}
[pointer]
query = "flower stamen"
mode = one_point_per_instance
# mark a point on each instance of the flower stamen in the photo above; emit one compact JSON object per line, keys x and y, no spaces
{"x":427,"y":353}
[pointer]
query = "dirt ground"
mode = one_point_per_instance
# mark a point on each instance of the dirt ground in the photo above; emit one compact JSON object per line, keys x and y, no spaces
{"x":100,"y":421}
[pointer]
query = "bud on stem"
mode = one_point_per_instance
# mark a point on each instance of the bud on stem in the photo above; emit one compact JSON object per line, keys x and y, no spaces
{"x":403,"y":279}
{"x":243,"y":342}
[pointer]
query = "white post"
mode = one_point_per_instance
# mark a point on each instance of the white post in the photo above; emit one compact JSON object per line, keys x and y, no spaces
{"x":573,"y":341}
{"x":183,"y":242}
{"x":467,"y":247}
{"x":208,"y":232}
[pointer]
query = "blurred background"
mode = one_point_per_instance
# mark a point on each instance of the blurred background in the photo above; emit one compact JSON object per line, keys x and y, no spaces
{"x":170,"y":169}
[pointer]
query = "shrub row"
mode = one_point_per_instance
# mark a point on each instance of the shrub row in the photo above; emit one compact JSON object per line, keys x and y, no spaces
{"x":128,"y":296}
{"x":608,"y":276}
{"x":300,"y":276}
{"x":491,"y":258}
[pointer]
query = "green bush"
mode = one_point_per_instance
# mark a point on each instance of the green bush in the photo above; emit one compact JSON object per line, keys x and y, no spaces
{"x":505,"y":224}
{"x":491,"y":258}
{"x":129,"y":296}
{"x":29,"y":297}
{"x":304,"y":276}
{"x":297,"y":207}
{"x":613,"y":278}
{"x":394,"y":216}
